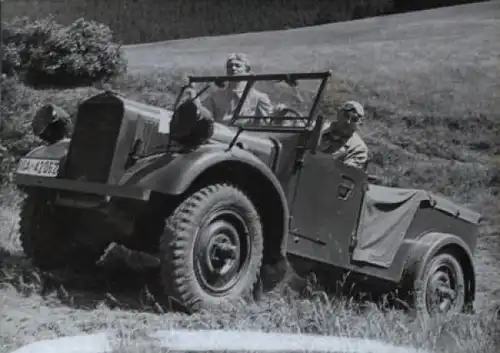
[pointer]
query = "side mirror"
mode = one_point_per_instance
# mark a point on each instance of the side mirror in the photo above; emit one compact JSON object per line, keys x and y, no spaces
{"x":188,"y":126}
{"x":315,"y":137}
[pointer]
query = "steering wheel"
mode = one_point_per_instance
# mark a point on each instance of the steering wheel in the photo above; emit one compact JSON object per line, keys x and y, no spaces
{"x":283,"y":111}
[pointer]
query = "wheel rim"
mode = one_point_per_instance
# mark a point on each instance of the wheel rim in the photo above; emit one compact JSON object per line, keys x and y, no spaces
{"x":443,"y":288}
{"x":222,"y":251}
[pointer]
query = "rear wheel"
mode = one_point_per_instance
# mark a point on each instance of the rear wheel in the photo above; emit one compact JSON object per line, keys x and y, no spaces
{"x":441,"y":288}
{"x":212,"y":248}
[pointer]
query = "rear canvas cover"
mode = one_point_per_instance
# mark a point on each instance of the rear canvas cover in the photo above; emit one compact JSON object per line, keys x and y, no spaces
{"x":386,"y":214}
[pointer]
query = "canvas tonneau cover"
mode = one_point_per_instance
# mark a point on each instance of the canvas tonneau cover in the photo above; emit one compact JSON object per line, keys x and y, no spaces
{"x":386,"y":215}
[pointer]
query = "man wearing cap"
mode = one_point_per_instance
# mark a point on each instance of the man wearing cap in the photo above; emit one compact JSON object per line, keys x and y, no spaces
{"x":220,"y":105}
{"x":341,"y":138}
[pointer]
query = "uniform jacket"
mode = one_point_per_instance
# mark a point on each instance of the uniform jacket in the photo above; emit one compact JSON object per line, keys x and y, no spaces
{"x":350,"y":149}
{"x":223,"y":102}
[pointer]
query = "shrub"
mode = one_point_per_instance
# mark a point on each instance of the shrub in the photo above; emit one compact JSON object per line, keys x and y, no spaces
{"x":15,"y":136}
{"x":11,"y":59}
{"x":47,"y":53}
{"x":20,"y":38}
{"x":14,"y":99}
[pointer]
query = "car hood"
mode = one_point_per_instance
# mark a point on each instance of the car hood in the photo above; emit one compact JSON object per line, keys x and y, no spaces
{"x":222,"y":133}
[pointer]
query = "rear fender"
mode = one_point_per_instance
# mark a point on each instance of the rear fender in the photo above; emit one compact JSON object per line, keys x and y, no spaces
{"x":429,"y":245}
{"x":173,"y":175}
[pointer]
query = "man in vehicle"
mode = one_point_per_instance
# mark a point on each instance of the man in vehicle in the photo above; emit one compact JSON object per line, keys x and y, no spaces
{"x":220,"y":105}
{"x":341,"y":138}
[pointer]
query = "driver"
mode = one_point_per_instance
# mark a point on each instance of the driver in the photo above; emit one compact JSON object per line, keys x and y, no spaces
{"x":341,"y":138}
{"x":220,"y":105}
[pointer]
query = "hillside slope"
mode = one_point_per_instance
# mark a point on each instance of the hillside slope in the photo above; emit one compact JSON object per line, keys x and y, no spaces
{"x":424,"y":60}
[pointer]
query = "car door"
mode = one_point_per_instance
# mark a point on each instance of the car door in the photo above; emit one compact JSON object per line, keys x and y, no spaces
{"x":325,"y":209}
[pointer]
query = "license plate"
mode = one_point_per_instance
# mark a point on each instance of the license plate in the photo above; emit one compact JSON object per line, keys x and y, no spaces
{"x":38,"y":167}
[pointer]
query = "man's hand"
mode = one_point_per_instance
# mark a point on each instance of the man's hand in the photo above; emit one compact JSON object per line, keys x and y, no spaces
{"x":191,"y":91}
{"x":340,"y":154}
{"x":279,"y":106}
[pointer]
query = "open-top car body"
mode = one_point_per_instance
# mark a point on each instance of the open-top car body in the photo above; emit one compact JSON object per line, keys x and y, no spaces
{"x":217,"y":202}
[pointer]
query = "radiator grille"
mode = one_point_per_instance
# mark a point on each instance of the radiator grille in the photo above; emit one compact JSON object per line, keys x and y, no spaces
{"x":94,"y":139}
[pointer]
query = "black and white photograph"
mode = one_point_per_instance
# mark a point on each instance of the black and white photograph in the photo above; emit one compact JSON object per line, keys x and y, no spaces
{"x":245,"y":176}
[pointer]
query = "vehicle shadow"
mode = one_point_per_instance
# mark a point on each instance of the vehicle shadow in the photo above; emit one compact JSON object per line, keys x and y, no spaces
{"x":120,"y":287}
{"x":117,"y":287}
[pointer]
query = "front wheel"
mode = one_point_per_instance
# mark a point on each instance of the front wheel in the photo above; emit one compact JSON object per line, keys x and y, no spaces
{"x":49,"y":234}
{"x":42,"y":234}
{"x":212,"y":248}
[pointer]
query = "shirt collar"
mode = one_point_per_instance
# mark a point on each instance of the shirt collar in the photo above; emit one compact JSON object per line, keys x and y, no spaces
{"x":237,"y":92}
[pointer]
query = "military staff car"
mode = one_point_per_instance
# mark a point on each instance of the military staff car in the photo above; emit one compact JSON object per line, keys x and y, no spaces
{"x":215,"y":202}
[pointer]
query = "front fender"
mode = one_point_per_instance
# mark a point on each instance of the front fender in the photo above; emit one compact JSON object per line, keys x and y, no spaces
{"x":174,"y":174}
{"x":55,"y":151}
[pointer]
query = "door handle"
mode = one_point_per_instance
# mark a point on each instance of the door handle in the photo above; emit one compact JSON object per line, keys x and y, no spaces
{"x":345,"y":188}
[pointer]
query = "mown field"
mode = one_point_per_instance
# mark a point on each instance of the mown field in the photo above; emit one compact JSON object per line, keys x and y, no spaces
{"x":430,"y":81}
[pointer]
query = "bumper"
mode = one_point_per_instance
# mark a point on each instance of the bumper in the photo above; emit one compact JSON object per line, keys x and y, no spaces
{"x":96,"y":198}
{"x":125,"y":191}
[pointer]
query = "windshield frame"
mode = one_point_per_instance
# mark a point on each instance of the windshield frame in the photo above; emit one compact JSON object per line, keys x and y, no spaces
{"x":289,"y":78}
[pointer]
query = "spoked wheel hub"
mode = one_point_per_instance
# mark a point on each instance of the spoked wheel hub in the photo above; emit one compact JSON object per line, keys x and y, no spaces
{"x":221,"y":252}
{"x":444,"y":288}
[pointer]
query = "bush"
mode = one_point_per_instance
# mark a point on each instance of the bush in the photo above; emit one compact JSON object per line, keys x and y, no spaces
{"x":47,"y":53}
{"x":15,"y":137}
{"x":14,"y":100}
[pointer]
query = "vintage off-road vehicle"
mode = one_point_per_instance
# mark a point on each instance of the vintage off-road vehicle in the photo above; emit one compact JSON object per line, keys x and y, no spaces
{"x":215,"y":202}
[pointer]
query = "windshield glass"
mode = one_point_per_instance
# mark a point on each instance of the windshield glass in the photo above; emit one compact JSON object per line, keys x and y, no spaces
{"x":258,"y":100}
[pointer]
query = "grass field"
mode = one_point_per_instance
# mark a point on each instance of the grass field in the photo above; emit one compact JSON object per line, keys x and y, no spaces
{"x":431,"y":83}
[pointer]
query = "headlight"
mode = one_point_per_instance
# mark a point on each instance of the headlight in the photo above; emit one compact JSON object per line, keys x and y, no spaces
{"x":51,"y":123}
{"x":188,"y":127}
